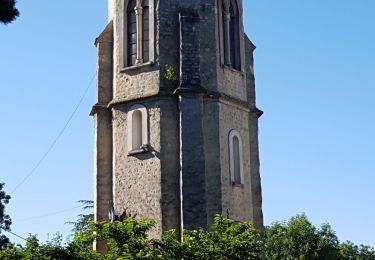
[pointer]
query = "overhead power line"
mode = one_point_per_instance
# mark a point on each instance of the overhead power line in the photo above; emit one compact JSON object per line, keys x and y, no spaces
{"x":27,"y":176}
{"x":48,"y":214}
{"x":14,"y":234}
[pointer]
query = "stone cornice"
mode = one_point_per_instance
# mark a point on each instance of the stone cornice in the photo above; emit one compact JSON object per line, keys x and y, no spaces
{"x":106,"y":35}
{"x":98,"y":106}
{"x":224,"y":98}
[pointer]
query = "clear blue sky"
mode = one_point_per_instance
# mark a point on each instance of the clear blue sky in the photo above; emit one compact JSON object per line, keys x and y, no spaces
{"x":314,"y":64}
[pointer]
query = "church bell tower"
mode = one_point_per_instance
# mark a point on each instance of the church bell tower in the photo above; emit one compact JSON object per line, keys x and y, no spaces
{"x":176,"y":124}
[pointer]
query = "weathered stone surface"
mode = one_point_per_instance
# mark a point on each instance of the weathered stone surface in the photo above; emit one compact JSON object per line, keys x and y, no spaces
{"x":103,"y":129}
{"x":184,"y":177}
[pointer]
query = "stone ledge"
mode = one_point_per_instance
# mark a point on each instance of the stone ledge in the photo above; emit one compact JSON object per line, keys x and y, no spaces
{"x":138,"y":151}
{"x":257,"y":113}
{"x":137,"y":66}
{"x":233,"y":70}
{"x":192,"y":90}
{"x":238,"y":185}
{"x":98,"y":106}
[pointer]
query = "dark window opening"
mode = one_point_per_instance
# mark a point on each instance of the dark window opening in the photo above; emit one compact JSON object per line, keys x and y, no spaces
{"x":146,"y":20}
{"x":236,"y":161}
{"x":234,"y":35}
{"x":131,"y":33}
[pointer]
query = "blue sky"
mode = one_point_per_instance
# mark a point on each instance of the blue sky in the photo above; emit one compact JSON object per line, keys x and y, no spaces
{"x":314,"y":66}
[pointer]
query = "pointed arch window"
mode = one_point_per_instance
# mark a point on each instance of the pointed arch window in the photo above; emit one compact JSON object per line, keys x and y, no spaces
{"x":231,"y":34}
{"x":146,"y":30}
{"x":137,"y":129}
{"x":236,"y":158}
{"x":132,"y":33}
{"x":137,"y":32}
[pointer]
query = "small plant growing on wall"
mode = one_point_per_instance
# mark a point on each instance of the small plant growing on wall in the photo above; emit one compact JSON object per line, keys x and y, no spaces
{"x":169,"y":73}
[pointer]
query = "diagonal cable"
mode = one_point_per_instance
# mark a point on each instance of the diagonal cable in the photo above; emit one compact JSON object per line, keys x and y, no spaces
{"x":56,"y":139}
{"x":48,"y":214}
{"x":14,"y":234}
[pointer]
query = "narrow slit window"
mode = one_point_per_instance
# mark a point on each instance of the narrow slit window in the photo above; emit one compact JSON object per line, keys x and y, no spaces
{"x":236,"y":158}
{"x":131,"y":33}
{"x":146,"y":31}
{"x":234,"y":35}
{"x":231,"y":34}
{"x":137,"y":130}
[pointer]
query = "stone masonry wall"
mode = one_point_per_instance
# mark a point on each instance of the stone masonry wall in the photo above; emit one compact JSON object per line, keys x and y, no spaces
{"x":211,"y":126}
{"x":148,"y":184}
{"x":170,"y":162}
{"x":169,"y":38}
{"x":229,"y":81}
{"x":137,"y":82}
{"x":137,"y":179}
{"x":236,"y":200}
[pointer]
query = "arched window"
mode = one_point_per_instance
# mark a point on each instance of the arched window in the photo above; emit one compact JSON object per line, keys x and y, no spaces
{"x":231,"y":34}
{"x":137,"y":32}
{"x":131,"y":33}
{"x":146,"y":30}
{"x":137,"y":129}
{"x":234,"y":35}
{"x":235,"y":158}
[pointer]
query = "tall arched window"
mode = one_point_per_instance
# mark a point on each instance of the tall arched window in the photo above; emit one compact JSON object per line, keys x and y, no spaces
{"x":137,"y":129}
{"x":137,"y":30}
{"x":231,"y":34}
{"x":146,"y":30}
{"x":235,"y":158}
{"x":131,"y":33}
{"x":234,"y":35}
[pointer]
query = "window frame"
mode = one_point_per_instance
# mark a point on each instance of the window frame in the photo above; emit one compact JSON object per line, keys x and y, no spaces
{"x":223,"y":35}
{"x":234,"y":36}
{"x":144,"y":125}
{"x":123,"y":36}
{"x":234,"y":133}
{"x":130,"y":45}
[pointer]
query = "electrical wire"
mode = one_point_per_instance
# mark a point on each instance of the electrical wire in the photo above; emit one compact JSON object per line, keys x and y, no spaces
{"x":14,"y":234}
{"x":56,"y":139}
{"x":48,"y":214}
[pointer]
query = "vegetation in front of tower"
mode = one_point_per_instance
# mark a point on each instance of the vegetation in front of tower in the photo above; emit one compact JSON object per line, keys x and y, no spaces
{"x":226,"y":239}
{"x":127,"y":239}
{"x":8,"y":11}
{"x":5,"y":220}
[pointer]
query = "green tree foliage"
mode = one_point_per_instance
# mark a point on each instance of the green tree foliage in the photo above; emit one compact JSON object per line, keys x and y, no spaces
{"x":8,"y":11}
{"x":350,"y":251}
{"x":299,"y":239}
{"x":33,"y":250}
{"x":224,"y":240}
{"x":82,"y":224}
{"x":5,"y":220}
{"x":128,"y":239}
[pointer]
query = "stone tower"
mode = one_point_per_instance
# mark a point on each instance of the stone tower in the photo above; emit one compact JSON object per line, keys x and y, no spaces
{"x":176,"y":124}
